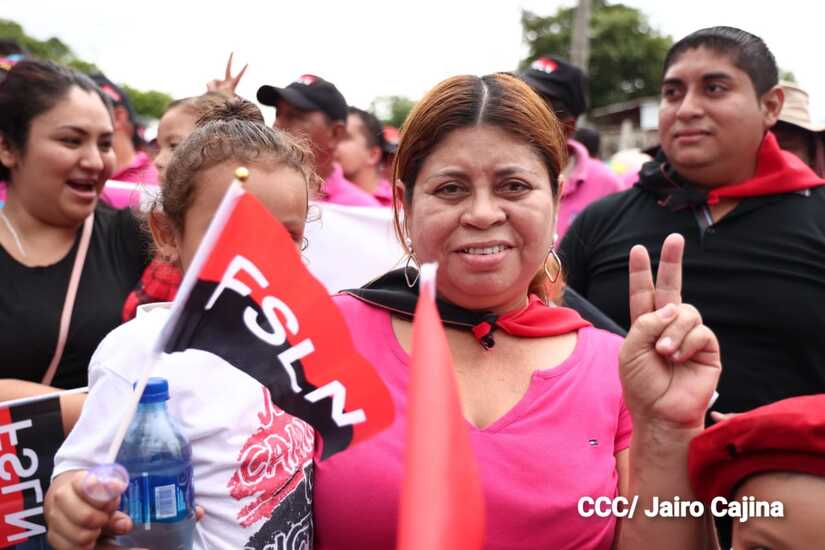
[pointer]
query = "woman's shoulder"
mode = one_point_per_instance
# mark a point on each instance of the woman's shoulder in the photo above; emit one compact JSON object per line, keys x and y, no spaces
{"x":356,"y":310}
{"x":123,"y":236}
{"x":600,"y":347}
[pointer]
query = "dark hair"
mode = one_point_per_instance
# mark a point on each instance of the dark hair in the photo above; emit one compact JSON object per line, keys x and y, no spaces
{"x":500,"y":100}
{"x":747,"y":52}
{"x":591,"y":139}
{"x":373,"y":129}
{"x":234,"y":130}
{"x":10,"y":46}
{"x":30,"y":89}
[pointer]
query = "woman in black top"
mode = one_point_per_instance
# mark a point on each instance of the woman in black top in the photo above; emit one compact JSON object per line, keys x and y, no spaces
{"x":56,"y":155}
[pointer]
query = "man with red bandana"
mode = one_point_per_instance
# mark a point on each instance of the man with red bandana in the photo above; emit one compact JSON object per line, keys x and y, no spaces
{"x":751,"y":215}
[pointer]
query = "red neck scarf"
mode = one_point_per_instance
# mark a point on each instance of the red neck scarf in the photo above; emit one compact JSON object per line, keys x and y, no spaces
{"x":534,"y":320}
{"x":777,"y":172}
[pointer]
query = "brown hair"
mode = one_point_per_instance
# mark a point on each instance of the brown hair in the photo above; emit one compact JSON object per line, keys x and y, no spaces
{"x":232,"y":129}
{"x":500,"y":100}
{"x":201,"y":106}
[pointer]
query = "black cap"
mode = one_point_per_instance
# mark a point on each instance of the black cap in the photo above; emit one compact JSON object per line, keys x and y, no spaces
{"x":308,"y":93}
{"x":115,"y":93}
{"x":562,"y":84}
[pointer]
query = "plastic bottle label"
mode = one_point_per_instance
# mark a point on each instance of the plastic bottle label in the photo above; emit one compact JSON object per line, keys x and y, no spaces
{"x":154,"y":498}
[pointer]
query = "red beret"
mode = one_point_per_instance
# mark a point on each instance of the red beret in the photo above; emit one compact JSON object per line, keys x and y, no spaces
{"x":787,"y":436}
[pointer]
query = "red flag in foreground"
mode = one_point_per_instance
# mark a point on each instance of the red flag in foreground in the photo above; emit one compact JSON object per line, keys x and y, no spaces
{"x":248,"y":298}
{"x":442,"y":507}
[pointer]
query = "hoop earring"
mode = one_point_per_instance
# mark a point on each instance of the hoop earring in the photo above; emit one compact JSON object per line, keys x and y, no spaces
{"x":552,"y":252}
{"x":410,"y":258}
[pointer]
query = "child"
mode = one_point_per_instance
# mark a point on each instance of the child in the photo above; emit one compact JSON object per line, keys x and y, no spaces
{"x":252,"y":462}
{"x":764,"y":471}
{"x":161,"y":279}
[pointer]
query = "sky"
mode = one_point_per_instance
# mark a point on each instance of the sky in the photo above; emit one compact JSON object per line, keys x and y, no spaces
{"x":368,"y":48}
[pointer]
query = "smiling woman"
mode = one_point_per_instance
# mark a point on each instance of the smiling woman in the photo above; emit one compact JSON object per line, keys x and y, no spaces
{"x":548,"y":416}
{"x":66,"y":262}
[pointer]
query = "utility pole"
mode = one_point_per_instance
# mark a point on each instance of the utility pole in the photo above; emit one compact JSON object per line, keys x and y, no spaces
{"x":580,"y":48}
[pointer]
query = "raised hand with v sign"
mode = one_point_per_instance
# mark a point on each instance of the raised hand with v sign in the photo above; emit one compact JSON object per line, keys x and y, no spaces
{"x":669,"y":363}
{"x":229,"y":82}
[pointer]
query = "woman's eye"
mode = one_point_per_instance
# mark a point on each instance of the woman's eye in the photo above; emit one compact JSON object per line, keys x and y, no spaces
{"x":515,"y":186}
{"x":70,"y":141}
{"x":449,"y":189}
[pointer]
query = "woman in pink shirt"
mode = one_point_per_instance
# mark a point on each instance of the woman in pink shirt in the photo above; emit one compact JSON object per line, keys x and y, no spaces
{"x":548,"y":398}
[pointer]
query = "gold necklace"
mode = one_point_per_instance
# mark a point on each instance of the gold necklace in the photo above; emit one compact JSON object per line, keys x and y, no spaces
{"x":13,"y":233}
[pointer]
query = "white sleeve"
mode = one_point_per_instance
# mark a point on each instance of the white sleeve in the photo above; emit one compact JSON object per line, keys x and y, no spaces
{"x":88,"y":442}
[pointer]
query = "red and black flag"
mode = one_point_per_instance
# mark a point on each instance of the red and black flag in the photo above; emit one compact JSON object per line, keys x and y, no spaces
{"x":31,"y":431}
{"x":248,"y":298}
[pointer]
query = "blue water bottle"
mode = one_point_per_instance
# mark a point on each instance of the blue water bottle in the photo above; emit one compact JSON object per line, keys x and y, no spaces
{"x":158,"y":457}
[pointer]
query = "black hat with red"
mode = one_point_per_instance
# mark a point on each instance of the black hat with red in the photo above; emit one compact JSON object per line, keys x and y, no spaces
{"x":563,"y":85}
{"x":308,"y":93}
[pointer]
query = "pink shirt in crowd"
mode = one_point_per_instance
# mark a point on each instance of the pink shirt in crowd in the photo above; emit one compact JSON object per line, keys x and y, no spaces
{"x":589,"y":181}
{"x":121,"y":190}
{"x":554,"y":446}
{"x":384,"y":192}
{"x":340,"y":190}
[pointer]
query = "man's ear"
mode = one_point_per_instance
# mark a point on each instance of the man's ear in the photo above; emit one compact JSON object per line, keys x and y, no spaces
{"x":165,"y":236}
{"x":375,"y":156}
{"x":771,"y":104}
{"x":121,"y":118}
{"x":338,"y":131}
{"x":9,"y":156}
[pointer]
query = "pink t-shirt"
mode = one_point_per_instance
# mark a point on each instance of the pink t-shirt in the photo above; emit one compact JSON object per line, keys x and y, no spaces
{"x":554,"y":446}
{"x":589,"y":181}
{"x":340,"y":190}
{"x":384,"y":192}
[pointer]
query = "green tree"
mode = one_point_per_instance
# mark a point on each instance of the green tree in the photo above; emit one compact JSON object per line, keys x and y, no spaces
{"x":149,"y":103}
{"x":392,"y":110}
{"x":626,"y":53}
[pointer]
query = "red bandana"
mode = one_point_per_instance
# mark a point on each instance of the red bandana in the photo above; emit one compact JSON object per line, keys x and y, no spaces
{"x":534,"y":320}
{"x":777,"y":172}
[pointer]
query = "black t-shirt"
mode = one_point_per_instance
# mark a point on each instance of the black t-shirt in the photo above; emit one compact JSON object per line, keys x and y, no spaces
{"x":31,"y":300}
{"x":757,"y":277}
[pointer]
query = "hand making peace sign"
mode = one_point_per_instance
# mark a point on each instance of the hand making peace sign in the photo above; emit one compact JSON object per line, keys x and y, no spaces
{"x":229,"y":82}
{"x":669,"y":363}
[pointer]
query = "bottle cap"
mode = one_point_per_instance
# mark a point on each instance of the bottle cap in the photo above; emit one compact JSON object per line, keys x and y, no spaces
{"x":105,"y":482}
{"x":156,"y":390}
